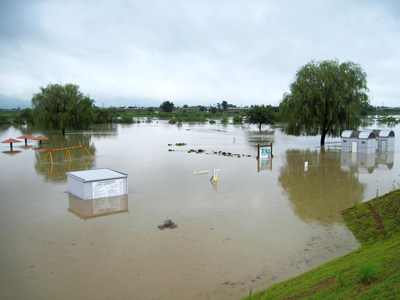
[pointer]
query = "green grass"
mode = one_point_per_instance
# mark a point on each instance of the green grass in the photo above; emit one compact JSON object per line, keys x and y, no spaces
{"x":370,"y":272}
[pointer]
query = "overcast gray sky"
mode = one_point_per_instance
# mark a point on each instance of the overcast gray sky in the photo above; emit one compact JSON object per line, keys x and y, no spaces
{"x":125,"y":53}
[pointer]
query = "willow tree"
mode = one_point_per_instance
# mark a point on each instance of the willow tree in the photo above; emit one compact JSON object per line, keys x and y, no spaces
{"x":62,"y":107}
{"x":325,"y":98}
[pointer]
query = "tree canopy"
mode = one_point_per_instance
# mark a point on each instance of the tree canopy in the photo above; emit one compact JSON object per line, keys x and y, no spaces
{"x":261,"y":115}
{"x":24,"y":117}
{"x":62,"y":107}
{"x":224,"y":105}
{"x":167,"y":106}
{"x":325,"y":98}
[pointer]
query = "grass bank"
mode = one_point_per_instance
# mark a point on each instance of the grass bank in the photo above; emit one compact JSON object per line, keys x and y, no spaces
{"x":370,"y":272}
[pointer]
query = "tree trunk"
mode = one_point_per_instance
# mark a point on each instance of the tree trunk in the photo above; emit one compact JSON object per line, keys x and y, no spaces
{"x":63,"y":131}
{"x":323,"y":138}
{"x":259,"y":126}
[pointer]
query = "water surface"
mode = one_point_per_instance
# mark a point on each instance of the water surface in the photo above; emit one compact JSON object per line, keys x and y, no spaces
{"x":256,"y":226}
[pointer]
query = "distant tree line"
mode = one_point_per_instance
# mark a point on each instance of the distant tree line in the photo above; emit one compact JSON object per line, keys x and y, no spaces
{"x":325,"y":98}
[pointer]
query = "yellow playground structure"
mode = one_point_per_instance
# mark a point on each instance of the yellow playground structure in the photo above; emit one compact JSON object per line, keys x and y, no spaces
{"x":68,"y":153}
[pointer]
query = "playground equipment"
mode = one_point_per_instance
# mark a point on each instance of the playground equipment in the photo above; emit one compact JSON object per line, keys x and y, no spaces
{"x":67,"y":154}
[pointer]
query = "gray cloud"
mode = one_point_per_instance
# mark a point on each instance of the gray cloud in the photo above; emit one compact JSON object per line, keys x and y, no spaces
{"x":192,"y":52}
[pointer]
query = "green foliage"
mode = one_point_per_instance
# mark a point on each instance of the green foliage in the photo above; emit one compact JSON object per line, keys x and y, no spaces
{"x":341,"y":280}
{"x":224,"y":105}
{"x":105,"y":115}
{"x":167,"y":106}
{"x":185,"y":116}
{"x":368,"y":271}
{"x":4,"y":120}
{"x":237,"y":119}
{"x":24,"y":117}
{"x":368,"y":109}
{"x":224,"y":119}
{"x":261,"y":115}
{"x":388,"y":120}
{"x":378,"y":219}
{"x":126,"y":119}
{"x":62,"y":107}
{"x":325,"y":98}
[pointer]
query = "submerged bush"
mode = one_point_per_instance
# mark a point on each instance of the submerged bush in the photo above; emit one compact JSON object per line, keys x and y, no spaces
{"x":237,"y":119}
{"x":224,"y":120}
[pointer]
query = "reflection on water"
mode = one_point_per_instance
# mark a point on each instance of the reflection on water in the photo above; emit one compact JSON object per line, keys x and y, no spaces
{"x":99,"y":131}
{"x":92,"y":208}
{"x":11,"y":153}
{"x":321,"y":192}
{"x":69,"y":165}
{"x":257,"y":137}
{"x":264,"y":164}
{"x":367,"y":163}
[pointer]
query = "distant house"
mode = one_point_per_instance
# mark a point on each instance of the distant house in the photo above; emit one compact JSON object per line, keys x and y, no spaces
{"x":367,"y":141}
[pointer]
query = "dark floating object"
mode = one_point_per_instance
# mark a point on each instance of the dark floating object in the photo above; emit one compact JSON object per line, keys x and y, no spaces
{"x":168,"y":223}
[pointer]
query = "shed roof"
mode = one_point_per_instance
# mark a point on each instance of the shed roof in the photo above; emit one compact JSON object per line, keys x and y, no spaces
{"x":367,"y":134}
{"x":386,"y":133}
{"x":347,"y":133}
{"x":96,"y":175}
{"x":350,"y":133}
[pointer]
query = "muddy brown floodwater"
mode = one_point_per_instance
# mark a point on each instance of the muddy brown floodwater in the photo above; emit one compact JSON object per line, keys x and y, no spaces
{"x":256,"y":226}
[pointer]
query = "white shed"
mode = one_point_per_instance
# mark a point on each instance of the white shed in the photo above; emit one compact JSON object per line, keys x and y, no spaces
{"x":366,"y":142}
{"x":98,"y":183}
{"x":349,"y":141}
{"x":385,"y":140}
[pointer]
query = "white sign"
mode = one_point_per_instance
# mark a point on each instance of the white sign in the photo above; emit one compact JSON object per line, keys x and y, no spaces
{"x":108,"y":188}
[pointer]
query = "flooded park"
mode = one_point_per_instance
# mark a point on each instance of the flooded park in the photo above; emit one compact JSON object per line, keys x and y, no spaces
{"x":260,"y":223}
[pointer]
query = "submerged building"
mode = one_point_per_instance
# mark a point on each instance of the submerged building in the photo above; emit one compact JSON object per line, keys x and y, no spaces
{"x":367,"y":141}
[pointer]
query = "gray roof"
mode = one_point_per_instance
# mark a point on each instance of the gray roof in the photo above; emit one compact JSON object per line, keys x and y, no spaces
{"x":347,"y":133}
{"x":367,"y":134}
{"x":96,"y":175}
{"x":386,"y":133}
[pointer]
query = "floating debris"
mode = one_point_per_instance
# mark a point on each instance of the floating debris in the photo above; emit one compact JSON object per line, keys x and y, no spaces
{"x":213,"y":152}
{"x":168,"y":223}
{"x":200,"y":172}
